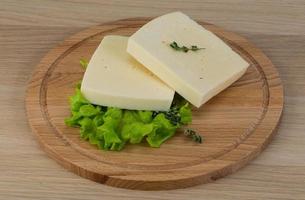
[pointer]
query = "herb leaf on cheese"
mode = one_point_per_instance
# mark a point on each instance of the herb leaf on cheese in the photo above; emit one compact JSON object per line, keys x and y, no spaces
{"x":112,"y":128}
{"x":185,"y":49}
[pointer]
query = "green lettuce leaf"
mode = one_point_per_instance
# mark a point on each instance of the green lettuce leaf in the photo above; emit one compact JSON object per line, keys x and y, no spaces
{"x":77,"y":100}
{"x":163,"y":130}
{"x":135,"y":132}
{"x":83,"y":63}
{"x":73,"y":121}
{"x":88,"y":110}
{"x":136,"y":125}
{"x":145,"y":116}
{"x":185,"y":113}
{"x":113,"y":116}
{"x":98,"y":119}
{"x":107,"y":132}
{"x":86,"y":128}
{"x":112,"y":128}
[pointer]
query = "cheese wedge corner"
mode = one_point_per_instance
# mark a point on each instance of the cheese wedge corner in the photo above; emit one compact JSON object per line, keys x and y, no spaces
{"x":113,"y":78}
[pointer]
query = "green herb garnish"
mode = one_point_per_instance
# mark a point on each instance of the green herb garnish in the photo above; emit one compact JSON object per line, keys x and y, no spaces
{"x":112,"y":128}
{"x":84,"y":63}
{"x":185,"y":49}
{"x":195,"y":136}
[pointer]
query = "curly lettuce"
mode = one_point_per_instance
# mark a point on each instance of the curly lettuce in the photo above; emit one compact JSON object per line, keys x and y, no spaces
{"x":112,"y":128}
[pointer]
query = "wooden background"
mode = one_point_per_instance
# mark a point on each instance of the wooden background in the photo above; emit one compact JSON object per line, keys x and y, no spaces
{"x":29,"y":29}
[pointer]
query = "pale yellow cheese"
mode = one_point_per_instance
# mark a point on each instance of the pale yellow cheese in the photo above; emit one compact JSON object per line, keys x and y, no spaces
{"x":113,"y":78}
{"x":195,"y":75}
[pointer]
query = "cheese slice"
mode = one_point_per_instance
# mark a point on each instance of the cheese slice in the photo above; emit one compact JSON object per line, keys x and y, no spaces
{"x":195,"y":75}
{"x":113,"y":78}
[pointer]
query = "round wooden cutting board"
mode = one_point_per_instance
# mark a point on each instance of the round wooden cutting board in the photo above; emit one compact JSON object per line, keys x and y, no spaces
{"x":237,"y":124}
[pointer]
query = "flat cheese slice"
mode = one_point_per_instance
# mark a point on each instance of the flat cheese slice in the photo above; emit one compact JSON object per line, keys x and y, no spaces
{"x":195,"y":75}
{"x":113,"y":78}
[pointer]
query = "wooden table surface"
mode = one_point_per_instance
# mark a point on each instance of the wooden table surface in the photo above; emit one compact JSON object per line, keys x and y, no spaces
{"x":29,"y":29}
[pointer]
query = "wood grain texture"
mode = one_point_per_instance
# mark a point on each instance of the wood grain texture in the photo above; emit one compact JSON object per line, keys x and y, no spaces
{"x":237,"y":124}
{"x":29,"y":29}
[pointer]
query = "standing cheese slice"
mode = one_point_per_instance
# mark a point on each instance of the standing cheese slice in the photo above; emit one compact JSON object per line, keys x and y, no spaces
{"x":195,"y":75}
{"x":113,"y":78}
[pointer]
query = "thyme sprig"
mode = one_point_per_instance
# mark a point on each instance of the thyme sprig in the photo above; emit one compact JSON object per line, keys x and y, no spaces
{"x":193,"y":134}
{"x":172,"y":115}
{"x":185,"y":49}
